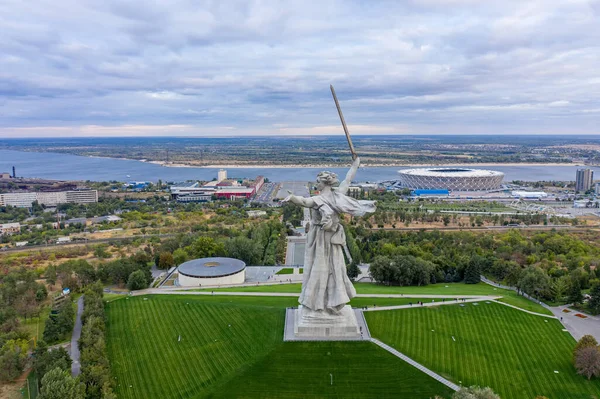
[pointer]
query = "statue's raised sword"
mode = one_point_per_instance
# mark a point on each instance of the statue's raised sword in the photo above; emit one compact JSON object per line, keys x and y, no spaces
{"x":337,"y":104}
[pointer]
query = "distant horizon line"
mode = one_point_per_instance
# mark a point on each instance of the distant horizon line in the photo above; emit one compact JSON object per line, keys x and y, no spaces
{"x":303,"y":136}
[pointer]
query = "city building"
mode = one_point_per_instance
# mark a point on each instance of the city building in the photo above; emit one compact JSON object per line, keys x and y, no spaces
{"x":19,"y":200}
{"x":5,"y":175}
{"x":584,"y":179}
{"x":597,"y":189}
{"x":529,"y":194}
{"x":222,"y":175}
{"x":254,"y":214}
{"x":136,"y":185}
{"x":52,"y":198}
{"x":211,"y":272}
{"x":431,"y":193}
{"x":26,"y":200}
{"x":82,"y":196}
{"x":195,"y":197}
{"x":452,"y":179}
{"x":10,"y":228}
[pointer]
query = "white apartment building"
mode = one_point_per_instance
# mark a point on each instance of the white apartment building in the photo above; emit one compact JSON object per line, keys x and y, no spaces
{"x":82,"y":196}
{"x":52,"y":198}
{"x":20,"y":200}
{"x":25,"y":200}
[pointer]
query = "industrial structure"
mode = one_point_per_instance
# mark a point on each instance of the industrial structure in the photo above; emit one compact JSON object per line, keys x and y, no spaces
{"x":584,"y":179}
{"x":221,"y":189}
{"x":48,"y":198}
{"x":211,"y":272}
{"x":452,"y":179}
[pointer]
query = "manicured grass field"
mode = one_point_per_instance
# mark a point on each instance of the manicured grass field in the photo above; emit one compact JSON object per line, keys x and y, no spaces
{"x":513,"y":352}
{"x":509,"y":296}
{"x":330,"y":369}
{"x":286,"y":270}
{"x":232,"y":347}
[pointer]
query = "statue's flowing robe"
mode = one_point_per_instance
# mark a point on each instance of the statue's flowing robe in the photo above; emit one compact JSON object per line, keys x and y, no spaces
{"x":326,"y":285}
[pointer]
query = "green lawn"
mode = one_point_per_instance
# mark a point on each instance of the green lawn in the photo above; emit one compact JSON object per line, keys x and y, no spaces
{"x":513,"y":352}
{"x":286,"y":270}
{"x":35,"y":326}
{"x":232,"y":347}
{"x":330,"y":370}
{"x":509,"y":296}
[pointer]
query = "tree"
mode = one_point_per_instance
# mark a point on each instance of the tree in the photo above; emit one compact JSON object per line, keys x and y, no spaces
{"x":51,"y":275}
{"x":13,"y":356}
{"x":352,"y":271}
{"x":180,"y":256}
{"x":473,"y":270}
{"x":534,"y":281}
{"x":575,"y":295}
{"x":587,"y":341}
{"x":205,"y":247}
{"x":137,"y":281}
{"x":475,"y":392}
{"x":594,"y":302}
{"x":559,"y":288}
{"x":51,"y":330}
{"x":45,"y":360}
{"x":165,"y":260}
{"x":587,"y":361}
{"x":244,"y":249}
{"x":58,"y":384}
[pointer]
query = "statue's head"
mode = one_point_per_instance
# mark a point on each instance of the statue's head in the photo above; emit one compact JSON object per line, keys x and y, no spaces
{"x":327,"y":178}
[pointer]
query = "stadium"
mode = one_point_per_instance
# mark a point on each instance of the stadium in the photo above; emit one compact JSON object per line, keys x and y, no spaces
{"x":452,"y":179}
{"x":211,"y":271}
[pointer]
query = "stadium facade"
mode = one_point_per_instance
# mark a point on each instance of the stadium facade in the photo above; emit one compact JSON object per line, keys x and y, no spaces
{"x":452,"y":179}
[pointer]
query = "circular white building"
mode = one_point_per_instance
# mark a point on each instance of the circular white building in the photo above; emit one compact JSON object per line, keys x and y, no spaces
{"x":452,"y":179}
{"x":211,"y":271}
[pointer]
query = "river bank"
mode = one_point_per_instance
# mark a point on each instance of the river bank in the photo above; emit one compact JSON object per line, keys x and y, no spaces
{"x":363,"y":164}
{"x":56,"y":166}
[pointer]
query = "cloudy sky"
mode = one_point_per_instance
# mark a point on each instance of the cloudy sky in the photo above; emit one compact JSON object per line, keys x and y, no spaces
{"x":198,"y":68}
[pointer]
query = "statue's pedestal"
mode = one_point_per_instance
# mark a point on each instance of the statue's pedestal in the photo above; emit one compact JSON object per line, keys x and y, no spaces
{"x":303,"y":324}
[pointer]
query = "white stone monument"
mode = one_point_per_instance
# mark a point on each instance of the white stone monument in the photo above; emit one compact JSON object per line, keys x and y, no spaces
{"x":326,"y":288}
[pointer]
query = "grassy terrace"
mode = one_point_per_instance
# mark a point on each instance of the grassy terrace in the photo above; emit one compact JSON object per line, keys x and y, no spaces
{"x":286,"y":270}
{"x":509,"y":297}
{"x":513,"y":352}
{"x":232,"y":347}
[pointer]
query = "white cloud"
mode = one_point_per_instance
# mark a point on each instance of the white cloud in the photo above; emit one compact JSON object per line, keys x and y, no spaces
{"x":433,"y":66}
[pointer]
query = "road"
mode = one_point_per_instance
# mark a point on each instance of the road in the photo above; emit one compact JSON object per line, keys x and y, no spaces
{"x":490,"y":228}
{"x":84,"y":242}
{"x":577,"y":326}
{"x":76,"y":366}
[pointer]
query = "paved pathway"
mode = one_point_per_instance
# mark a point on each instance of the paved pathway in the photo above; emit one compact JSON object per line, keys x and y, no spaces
{"x":76,"y":366}
{"x":413,"y":363}
{"x":430,"y":304}
{"x":577,"y":326}
{"x":151,"y":291}
{"x":526,"y":311}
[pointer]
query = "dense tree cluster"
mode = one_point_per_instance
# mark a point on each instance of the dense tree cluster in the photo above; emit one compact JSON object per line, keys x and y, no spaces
{"x":554,"y":266}
{"x":59,"y":324}
{"x":95,"y":368}
{"x":262,"y":243}
{"x":45,"y":360}
{"x":20,"y":296}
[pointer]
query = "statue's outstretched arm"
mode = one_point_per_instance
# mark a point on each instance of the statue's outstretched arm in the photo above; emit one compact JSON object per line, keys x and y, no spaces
{"x":343,"y":187}
{"x":301,"y":201}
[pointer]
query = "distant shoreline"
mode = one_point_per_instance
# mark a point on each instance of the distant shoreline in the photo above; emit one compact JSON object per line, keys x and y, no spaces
{"x":366,"y":165}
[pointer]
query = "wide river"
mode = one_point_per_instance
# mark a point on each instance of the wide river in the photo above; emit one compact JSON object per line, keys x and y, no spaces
{"x":73,"y":167}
